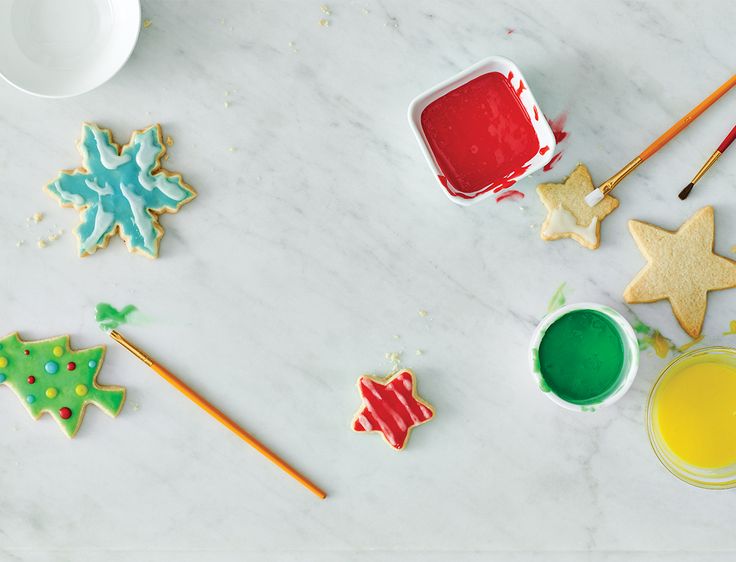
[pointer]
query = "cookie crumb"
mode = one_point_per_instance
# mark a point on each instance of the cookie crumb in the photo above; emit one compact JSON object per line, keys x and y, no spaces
{"x":366,"y":11}
{"x":522,"y":208}
{"x":397,"y":337}
{"x":136,"y":407}
{"x":226,"y":104}
{"x":292,"y":46}
{"x":423,"y":313}
{"x":169,"y":141}
{"x":19,"y":243}
{"x":419,"y":352}
{"x":395,"y":358}
{"x":325,"y":9}
{"x":37,"y":217}
{"x":147,"y":24}
{"x":231,"y":149}
{"x":41,"y":243}
{"x":324,"y":22}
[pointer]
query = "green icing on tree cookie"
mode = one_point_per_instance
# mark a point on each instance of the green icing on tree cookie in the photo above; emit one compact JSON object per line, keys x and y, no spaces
{"x":49,"y":376}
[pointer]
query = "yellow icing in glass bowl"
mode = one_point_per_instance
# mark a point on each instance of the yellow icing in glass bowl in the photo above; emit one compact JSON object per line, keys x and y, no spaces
{"x":691,"y":417}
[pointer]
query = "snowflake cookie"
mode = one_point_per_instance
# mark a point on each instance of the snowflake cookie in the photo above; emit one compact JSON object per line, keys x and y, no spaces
{"x":49,"y":376}
{"x":121,"y":189}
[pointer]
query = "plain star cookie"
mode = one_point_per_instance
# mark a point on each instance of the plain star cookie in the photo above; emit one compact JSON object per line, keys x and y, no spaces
{"x":568,"y":215}
{"x":391,"y":407}
{"x":49,"y":376}
{"x":681,"y":267}
{"x":121,"y":189}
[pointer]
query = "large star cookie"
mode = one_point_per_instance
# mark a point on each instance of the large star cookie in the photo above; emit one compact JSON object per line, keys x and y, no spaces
{"x":681,"y":267}
{"x":121,"y":189}
{"x":568,"y":215}
{"x":391,"y":407}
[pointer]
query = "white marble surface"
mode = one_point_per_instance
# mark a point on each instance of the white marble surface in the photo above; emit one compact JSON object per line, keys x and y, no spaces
{"x":317,"y":241}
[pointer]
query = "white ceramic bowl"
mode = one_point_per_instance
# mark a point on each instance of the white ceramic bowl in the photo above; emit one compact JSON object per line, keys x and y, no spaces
{"x":545,"y":136}
{"x":631,"y":354}
{"x":63,"y":48}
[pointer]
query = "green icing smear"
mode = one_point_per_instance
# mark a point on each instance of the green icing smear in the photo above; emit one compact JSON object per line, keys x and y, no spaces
{"x":558,"y":299}
{"x":109,"y":318}
{"x":581,"y":357}
{"x":651,"y":338}
{"x":49,"y":376}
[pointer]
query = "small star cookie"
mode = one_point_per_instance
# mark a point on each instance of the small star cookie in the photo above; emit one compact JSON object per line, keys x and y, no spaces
{"x":391,"y":407}
{"x":681,"y":267}
{"x":568,"y":215}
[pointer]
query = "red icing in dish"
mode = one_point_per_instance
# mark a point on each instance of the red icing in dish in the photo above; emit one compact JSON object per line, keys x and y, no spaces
{"x":481,"y":135}
{"x":391,"y":408}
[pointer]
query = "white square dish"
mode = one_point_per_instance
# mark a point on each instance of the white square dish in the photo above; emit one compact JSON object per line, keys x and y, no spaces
{"x":545,"y":136}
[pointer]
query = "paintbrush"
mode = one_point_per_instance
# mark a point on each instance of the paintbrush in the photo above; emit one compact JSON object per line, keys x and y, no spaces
{"x":217,"y":414}
{"x":708,"y":163}
{"x":597,"y":195}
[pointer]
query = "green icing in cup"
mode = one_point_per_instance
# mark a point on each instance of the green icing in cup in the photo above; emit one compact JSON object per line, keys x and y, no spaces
{"x":581,"y":357}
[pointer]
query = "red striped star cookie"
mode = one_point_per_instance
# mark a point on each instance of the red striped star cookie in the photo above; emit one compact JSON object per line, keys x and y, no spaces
{"x":391,"y":407}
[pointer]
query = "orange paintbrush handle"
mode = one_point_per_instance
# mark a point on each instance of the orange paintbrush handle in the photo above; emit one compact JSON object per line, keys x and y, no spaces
{"x":689,"y":118}
{"x":182,"y":387}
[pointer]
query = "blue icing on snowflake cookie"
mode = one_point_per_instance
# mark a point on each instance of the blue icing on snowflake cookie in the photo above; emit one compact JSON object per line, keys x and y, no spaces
{"x":121,"y":190}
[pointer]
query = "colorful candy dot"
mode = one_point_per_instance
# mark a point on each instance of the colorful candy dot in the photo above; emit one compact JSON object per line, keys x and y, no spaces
{"x":51,"y":367}
{"x":3,"y":362}
{"x":92,"y":364}
{"x":51,"y":392}
{"x":71,"y":366}
{"x":26,"y":352}
{"x":80,"y":389}
{"x":2,"y":377}
{"x":31,"y":379}
{"x":58,"y":351}
{"x":30,"y":399}
{"x":65,"y":413}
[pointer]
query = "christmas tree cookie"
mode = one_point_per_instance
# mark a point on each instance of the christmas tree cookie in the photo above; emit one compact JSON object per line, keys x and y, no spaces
{"x":49,"y":376}
{"x":121,"y":189}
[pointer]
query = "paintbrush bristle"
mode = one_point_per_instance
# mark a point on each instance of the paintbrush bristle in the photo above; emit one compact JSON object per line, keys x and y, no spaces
{"x":685,"y":192}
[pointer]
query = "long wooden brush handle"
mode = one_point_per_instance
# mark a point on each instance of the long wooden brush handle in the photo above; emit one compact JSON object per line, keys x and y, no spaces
{"x":673,"y":131}
{"x":182,"y":387}
{"x":213,"y":411}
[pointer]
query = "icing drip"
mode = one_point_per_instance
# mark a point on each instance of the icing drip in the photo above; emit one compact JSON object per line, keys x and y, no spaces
{"x":562,"y":221}
{"x":391,"y":407}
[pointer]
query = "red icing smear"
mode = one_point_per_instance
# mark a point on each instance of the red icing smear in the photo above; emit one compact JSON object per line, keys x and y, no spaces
{"x":544,"y":150}
{"x":390,"y":408}
{"x":556,"y":158}
{"x":558,"y":127}
{"x":511,"y":194}
{"x":558,"y":130}
{"x":521,"y":88}
{"x":480,"y":135}
{"x":536,"y":113}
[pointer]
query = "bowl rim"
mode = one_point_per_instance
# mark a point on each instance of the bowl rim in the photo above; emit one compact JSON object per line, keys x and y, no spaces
{"x":135,"y":7}
{"x":630,"y":341}
{"x":651,"y":433}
